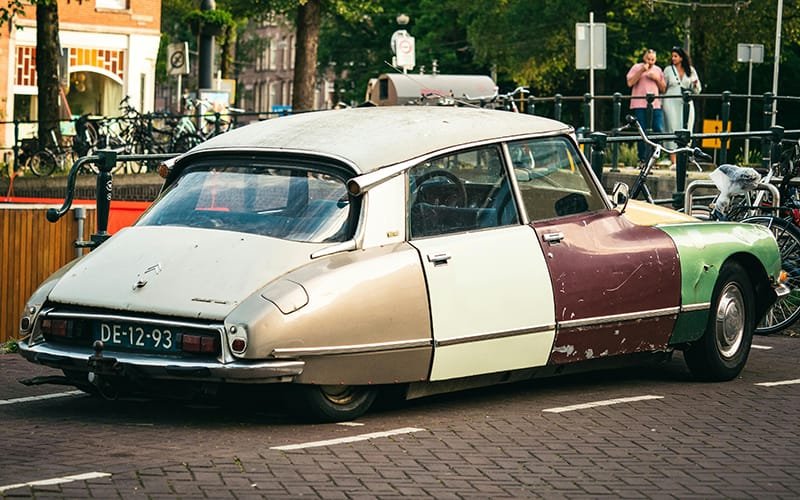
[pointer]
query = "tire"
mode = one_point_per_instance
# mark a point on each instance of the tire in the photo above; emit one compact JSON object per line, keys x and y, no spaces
{"x":786,"y":311}
{"x":721,"y":353}
{"x":42,"y":163}
{"x":332,"y":403}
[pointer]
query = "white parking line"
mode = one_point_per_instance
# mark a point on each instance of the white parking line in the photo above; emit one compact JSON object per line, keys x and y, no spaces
{"x":57,"y":480}
{"x":780,"y":382}
{"x":351,"y":439}
{"x":764,"y":347}
{"x":39,"y":398}
{"x":594,"y":404}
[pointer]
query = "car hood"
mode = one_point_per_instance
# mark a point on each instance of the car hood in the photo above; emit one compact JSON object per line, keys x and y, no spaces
{"x":174,"y":271}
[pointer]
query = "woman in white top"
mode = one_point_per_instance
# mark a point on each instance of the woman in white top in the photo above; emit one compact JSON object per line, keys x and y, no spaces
{"x":680,"y":75}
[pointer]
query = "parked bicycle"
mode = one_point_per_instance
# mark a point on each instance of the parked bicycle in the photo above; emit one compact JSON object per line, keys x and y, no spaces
{"x":785,"y":311}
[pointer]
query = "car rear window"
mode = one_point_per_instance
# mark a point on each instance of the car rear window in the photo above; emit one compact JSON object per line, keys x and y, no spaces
{"x":291,"y":203}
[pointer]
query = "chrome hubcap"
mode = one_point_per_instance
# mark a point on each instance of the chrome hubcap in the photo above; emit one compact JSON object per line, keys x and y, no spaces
{"x":339,"y":394}
{"x":730,"y":321}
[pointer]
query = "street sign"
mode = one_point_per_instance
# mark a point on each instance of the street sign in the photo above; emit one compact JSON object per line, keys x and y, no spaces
{"x":582,"y":45}
{"x":178,"y":58}
{"x":404,"y":50}
{"x":749,"y":53}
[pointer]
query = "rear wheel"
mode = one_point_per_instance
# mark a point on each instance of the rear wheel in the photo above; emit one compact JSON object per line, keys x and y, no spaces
{"x":722,"y":351}
{"x":42,"y":163}
{"x":786,"y":311}
{"x":333,"y":403}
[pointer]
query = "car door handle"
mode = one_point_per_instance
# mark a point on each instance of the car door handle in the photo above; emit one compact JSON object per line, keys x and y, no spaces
{"x":553,"y":238}
{"x":438,"y":258}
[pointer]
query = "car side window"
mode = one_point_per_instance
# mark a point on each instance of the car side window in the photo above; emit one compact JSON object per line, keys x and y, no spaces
{"x":465,"y":191}
{"x":552,"y":178}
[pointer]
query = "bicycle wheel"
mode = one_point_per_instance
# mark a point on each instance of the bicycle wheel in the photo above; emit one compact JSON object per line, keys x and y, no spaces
{"x":786,"y":311}
{"x":42,"y":163}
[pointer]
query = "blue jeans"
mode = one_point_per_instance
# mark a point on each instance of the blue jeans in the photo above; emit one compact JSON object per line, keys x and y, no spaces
{"x":644,"y":151}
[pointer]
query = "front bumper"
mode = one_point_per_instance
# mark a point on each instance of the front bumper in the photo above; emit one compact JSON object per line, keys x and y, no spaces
{"x":160,"y":368}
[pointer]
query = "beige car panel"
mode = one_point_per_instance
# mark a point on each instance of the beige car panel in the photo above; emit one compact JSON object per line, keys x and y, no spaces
{"x":359,"y":303}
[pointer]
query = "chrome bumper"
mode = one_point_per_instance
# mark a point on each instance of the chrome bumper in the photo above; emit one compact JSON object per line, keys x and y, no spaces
{"x":157,"y":367}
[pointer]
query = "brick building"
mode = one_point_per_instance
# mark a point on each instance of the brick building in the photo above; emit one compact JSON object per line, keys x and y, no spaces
{"x":112,"y":47}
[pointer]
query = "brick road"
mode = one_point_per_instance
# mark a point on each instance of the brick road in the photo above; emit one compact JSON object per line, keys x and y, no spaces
{"x":734,"y":440}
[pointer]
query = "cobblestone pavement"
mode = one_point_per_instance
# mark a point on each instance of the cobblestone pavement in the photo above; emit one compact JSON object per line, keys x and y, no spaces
{"x":686,"y":440}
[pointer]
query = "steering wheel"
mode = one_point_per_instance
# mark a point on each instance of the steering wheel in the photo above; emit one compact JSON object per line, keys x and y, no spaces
{"x":458,"y":197}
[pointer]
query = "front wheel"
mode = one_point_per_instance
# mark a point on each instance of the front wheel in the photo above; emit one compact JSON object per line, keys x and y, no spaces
{"x":721,"y":353}
{"x":786,"y":311}
{"x":332,"y":403}
{"x":42,"y":163}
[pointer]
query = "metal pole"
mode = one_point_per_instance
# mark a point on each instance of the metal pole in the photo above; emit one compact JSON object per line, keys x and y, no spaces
{"x":179,"y":107}
{"x":591,"y":70}
{"x":747,"y":122}
{"x":778,"y":23}
{"x":205,"y":51}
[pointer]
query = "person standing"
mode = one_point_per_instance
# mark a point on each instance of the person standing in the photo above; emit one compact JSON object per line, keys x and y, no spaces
{"x":646,"y":78}
{"x":679,"y":76}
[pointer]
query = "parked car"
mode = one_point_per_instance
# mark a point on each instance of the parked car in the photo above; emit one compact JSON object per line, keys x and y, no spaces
{"x":422,"y":248}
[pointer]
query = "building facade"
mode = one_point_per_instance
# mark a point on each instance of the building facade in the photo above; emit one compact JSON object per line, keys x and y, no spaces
{"x":111,"y":47}
{"x":265,"y":83}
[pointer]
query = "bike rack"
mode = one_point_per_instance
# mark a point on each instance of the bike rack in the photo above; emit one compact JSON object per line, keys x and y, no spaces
{"x":694,"y":185}
{"x":106,"y":160}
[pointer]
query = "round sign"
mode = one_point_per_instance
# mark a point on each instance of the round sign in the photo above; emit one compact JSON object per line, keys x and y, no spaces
{"x":404,"y":46}
{"x":177,"y":60}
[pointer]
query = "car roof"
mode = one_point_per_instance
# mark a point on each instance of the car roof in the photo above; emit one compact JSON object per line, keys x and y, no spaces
{"x":369,"y":138}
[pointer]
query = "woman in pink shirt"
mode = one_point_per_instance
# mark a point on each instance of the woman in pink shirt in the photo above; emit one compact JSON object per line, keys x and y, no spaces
{"x":646,"y":78}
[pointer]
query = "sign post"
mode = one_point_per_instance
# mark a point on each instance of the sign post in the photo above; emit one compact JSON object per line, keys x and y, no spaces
{"x":590,"y":53}
{"x":749,"y":53}
{"x":404,"y":50}
{"x":178,"y":65}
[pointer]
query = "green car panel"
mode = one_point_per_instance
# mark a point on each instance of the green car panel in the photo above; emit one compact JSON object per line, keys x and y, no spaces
{"x":703,"y":248}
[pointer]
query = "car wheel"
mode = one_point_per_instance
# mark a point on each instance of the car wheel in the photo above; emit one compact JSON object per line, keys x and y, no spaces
{"x":333,"y":403}
{"x":722,"y":351}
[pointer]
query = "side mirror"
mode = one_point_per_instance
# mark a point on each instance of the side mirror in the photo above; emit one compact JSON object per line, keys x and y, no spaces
{"x":620,"y":196}
{"x":522,"y":175}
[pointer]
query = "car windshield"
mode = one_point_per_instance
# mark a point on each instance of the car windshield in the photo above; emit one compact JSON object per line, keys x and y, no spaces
{"x":292,"y":203}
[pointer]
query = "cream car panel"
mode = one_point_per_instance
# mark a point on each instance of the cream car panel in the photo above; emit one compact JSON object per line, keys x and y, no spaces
{"x":494,"y":284}
{"x":178,"y":271}
{"x":384,"y":223}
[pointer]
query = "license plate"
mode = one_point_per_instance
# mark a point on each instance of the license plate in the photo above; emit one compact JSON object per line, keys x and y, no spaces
{"x":151,"y":338}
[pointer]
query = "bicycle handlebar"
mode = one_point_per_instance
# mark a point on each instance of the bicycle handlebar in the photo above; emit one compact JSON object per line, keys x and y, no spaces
{"x":633,"y":122}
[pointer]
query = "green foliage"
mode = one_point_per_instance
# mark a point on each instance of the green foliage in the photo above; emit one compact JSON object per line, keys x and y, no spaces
{"x":9,"y":346}
{"x":215,"y":20}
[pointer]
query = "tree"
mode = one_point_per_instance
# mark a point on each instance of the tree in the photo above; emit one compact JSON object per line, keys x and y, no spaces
{"x":48,"y":51}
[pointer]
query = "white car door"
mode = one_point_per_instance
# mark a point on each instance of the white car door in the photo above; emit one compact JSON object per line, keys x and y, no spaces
{"x":489,"y":289}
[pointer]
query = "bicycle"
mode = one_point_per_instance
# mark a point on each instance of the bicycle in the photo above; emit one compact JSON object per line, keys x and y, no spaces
{"x":786,"y":311}
{"x":55,"y":155}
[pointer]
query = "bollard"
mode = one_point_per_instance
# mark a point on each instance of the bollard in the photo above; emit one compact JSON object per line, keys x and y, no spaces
{"x":108,"y":160}
{"x":557,"y":107}
{"x":686,"y":97}
{"x":765,"y":142}
{"x":776,"y":137}
{"x":725,"y":113}
{"x":682,"y":138}
{"x":599,"y":141}
{"x":616,"y":118}
{"x":649,"y":113}
{"x":587,"y":111}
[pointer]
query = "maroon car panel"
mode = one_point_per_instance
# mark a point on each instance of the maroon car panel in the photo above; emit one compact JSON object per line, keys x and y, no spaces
{"x":602,"y":266}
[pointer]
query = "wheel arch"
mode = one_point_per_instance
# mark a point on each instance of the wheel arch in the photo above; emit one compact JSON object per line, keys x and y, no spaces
{"x":764,"y":295}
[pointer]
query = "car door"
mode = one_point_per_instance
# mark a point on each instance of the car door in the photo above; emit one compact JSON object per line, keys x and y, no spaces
{"x":616,"y":284}
{"x":490,"y":296}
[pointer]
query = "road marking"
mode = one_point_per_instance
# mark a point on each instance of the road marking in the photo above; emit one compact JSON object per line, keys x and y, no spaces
{"x":350,"y":424}
{"x":39,"y":398}
{"x":607,"y":402}
{"x":351,"y":439}
{"x":765,"y":347}
{"x":780,"y":382}
{"x":57,"y":480}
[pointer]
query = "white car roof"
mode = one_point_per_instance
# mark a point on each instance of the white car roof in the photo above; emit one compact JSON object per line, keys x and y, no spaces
{"x":370,"y":138}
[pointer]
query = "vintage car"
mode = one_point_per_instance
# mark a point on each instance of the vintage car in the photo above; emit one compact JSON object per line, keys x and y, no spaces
{"x":426,"y":249}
